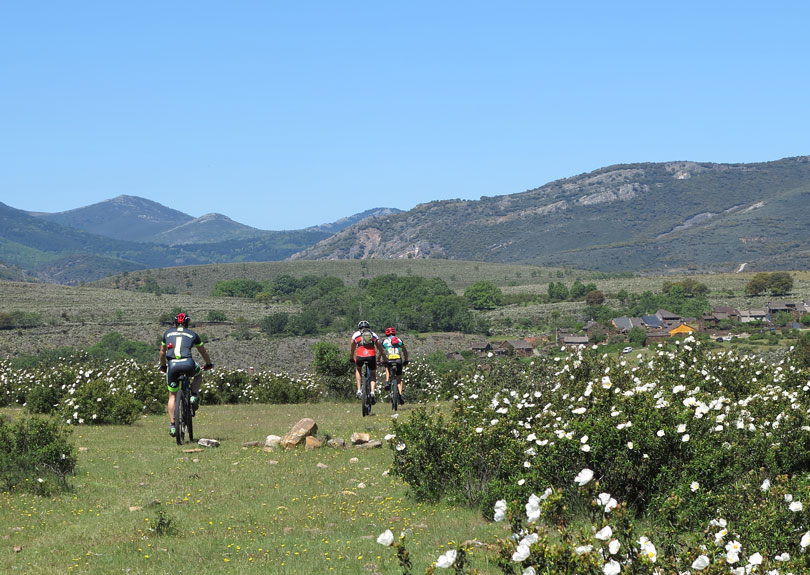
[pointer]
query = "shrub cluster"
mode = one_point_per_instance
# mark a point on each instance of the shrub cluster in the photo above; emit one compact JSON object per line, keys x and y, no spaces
{"x":35,"y":455}
{"x":683,"y":439}
{"x":118,"y":392}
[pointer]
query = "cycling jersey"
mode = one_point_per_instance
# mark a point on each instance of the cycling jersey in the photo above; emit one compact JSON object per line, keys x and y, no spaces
{"x":365,"y":350}
{"x":179,"y":342}
{"x":393,"y":347}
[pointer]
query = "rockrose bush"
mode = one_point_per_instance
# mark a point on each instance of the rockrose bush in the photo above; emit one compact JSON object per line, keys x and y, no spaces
{"x":681,"y":439}
{"x":118,"y":392}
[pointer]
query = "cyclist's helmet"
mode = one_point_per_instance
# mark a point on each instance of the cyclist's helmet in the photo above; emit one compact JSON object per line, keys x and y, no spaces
{"x":182,"y":319}
{"x":363,"y":325}
{"x":390,"y":331}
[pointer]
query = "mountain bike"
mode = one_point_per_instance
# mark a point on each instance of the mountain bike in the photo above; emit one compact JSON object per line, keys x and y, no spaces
{"x":366,"y":389}
{"x":183,"y":414}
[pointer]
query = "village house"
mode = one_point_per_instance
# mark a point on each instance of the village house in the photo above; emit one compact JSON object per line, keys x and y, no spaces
{"x":519,"y":347}
{"x":481,"y":347}
{"x":574,"y":341}
{"x":749,"y":315}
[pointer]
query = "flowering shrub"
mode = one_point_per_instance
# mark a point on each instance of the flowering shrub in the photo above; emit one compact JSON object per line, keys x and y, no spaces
{"x":35,"y":455}
{"x":104,"y":392}
{"x":682,"y":439}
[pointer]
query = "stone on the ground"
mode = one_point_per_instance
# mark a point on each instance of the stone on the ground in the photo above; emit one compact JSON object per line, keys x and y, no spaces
{"x":208,"y":442}
{"x":272,"y":441}
{"x":313,"y":443}
{"x":373,"y":444}
{"x":304,"y":428}
{"x":358,"y":438}
{"x":337,"y":443}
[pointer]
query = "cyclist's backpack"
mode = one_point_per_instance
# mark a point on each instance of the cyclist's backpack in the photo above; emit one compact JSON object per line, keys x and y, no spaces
{"x":366,"y":338}
{"x":395,"y":341}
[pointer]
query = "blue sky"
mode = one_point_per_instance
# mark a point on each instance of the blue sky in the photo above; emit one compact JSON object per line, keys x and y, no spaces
{"x":286,"y":115}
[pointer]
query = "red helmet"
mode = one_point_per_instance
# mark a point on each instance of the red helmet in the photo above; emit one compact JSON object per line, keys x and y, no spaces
{"x":182,"y":319}
{"x":390,"y":331}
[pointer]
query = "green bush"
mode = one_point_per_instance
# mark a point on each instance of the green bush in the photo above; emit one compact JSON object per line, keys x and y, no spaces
{"x":35,"y":455}
{"x":99,"y":402}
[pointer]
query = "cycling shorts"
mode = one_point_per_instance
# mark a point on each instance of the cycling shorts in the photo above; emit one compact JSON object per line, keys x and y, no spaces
{"x":370,"y":360}
{"x":395,"y":367}
{"x":178,"y":367}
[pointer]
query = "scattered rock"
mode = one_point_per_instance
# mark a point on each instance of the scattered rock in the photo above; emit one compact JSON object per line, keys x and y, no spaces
{"x":135,"y":507}
{"x":358,"y":438}
{"x":82,"y":449}
{"x":17,"y":548}
{"x":361,"y":485}
{"x":322,"y":466}
{"x":208,"y":443}
{"x":337,"y":443}
{"x":272,"y":462}
{"x":272,"y":441}
{"x":313,"y":443}
{"x":252,"y":444}
{"x":195,"y":460}
{"x":195,"y":450}
{"x":304,"y":428}
{"x":370,"y":445}
{"x":354,"y":460}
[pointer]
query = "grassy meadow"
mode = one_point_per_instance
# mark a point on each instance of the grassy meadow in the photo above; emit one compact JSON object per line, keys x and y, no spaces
{"x":141,"y":504}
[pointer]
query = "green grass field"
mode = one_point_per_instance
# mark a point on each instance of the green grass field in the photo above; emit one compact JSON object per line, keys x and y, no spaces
{"x":231,"y":509}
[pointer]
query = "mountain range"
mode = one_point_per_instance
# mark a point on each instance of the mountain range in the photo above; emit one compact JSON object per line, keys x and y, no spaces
{"x":669,"y":216}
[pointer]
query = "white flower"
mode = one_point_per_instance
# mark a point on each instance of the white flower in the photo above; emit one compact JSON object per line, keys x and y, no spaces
{"x":614,"y":546}
{"x":583,"y":477}
{"x":529,"y":571}
{"x":612,"y":567}
{"x":389,"y":436}
{"x":648,"y":549}
{"x":629,"y":445}
{"x":694,"y":486}
{"x":606,"y":501}
{"x":700,"y":563}
{"x":783,"y":557}
{"x":765,"y":485}
{"x":685,"y":437}
{"x":788,"y":497}
{"x":805,"y":540}
{"x":386,"y":538}
{"x":681,"y":428}
{"x":446,"y":560}
{"x":604,"y":534}
{"x":529,"y":539}
{"x":533,"y":508}
{"x":795,"y":506}
{"x":660,"y":433}
{"x":755,"y":559}
{"x":586,"y":448}
{"x":521,"y":553}
{"x":400,"y":446}
{"x":500,"y":510}
{"x":479,"y":429}
{"x":582,"y":549}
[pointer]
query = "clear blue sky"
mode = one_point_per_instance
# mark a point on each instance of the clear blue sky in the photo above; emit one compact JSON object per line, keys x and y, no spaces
{"x":283,"y":115}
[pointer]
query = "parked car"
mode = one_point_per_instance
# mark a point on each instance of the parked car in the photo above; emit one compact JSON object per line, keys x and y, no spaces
{"x":627,"y":350}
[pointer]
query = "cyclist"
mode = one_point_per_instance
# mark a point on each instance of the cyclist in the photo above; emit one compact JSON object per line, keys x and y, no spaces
{"x":175,"y":360}
{"x":364,"y":350}
{"x":395,"y":353}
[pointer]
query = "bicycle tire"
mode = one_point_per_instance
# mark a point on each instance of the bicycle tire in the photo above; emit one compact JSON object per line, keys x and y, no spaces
{"x":366,"y":392}
{"x":394,"y":375}
{"x":178,"y":415}
{"x":188,"y":416}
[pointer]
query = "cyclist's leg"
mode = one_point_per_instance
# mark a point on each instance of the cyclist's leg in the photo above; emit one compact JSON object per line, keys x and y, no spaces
{"x":358,"y":377}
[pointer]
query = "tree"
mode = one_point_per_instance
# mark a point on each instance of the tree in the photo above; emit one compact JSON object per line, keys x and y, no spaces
{"x":594,"y":297}
{"x":758,"y":284}
{"x":623,"y":295}
{"x":483,"y":295}
{"x":578,"y":290}
{"x":557,"y":291}
{"x":637,"y":336}
{"x":780,"y":283}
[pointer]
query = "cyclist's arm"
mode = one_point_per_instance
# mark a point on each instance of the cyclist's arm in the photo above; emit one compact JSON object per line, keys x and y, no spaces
{"x":404,"y":353}
{"x":204,"y":354}
{"x":381,"y":350}
{"x":163,"y":361}
{"x":352,"y":350}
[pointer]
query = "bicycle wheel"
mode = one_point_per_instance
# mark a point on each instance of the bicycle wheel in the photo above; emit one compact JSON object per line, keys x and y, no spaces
{"x":366,"y":393}
{"x":394,"y":370}
{"x":188,"y":416}
{"x":178,"y":415}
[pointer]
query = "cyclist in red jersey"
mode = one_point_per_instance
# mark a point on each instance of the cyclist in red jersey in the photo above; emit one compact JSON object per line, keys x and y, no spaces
{"x":364,"y":350}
